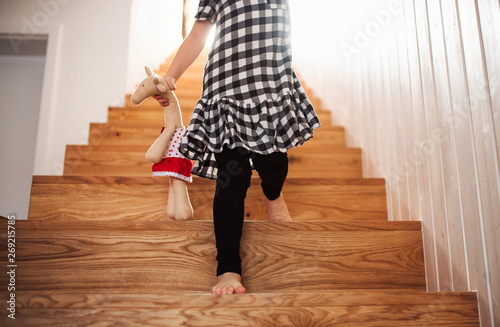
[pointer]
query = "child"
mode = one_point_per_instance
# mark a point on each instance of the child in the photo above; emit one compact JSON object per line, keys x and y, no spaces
{"x":252,"y":110}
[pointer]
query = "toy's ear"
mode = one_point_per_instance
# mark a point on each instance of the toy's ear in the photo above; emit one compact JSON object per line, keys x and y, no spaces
{"x":159,"y":86}
{"x":162,"y":88}
{"x":148,"y":71}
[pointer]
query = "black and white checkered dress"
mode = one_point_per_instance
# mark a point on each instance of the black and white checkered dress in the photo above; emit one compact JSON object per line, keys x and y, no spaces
{"x":251,"y":96}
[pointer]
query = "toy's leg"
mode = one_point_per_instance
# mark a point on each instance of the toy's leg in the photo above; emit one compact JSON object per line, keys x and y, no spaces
{"x":183,"y":208}
{"x":171,"y":199}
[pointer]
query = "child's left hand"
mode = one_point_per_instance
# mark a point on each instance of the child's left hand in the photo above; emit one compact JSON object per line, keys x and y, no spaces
{"x":163,"y":102}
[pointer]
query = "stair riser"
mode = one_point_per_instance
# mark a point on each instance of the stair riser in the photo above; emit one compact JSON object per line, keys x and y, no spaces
{"x":140,"y":117}
{"x":91,"y":161}
{"x":148,"y":202}
{"x":137,"y":118}
{"x":118,"y":134}
{"x":326,"y":299}
{"x":122,"y":261}
{"x":427,"y":315}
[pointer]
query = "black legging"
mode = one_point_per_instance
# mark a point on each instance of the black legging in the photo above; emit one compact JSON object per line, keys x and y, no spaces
{"x":233,"y":180}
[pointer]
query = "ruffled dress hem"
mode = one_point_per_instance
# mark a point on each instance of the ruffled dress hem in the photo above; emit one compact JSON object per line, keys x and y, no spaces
{"x":221,"y":123}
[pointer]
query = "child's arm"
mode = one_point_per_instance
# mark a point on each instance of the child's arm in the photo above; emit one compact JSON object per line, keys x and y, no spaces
{"x":188,"y":51}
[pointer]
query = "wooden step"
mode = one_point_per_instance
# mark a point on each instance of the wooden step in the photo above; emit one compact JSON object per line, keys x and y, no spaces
{"x":142,"y":256}
{"x":198,"y":63}
{"x":124,"y":134}
{"x":136,"y":117}
{"x":85,"y":160}
{"x":333,"y":308}
{"x":145,"y":198}
{"x":154,"y":114}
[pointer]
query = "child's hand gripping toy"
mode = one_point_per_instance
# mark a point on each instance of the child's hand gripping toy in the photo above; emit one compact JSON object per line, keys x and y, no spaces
{"x":164,"y":153}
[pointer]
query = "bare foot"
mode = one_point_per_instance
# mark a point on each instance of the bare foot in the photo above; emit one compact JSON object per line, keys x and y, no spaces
{"x":278,"y":210}
{"x":228,"y":283}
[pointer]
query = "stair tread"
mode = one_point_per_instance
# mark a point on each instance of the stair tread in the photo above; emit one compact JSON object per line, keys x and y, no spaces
{"x":207,"y":226}
{"x":334,"y":308}
{"x":50,"y":179}
{"x":122,"y":198}
{"x":305,"y":161}
{"x":137,"y":136}
{"x":145,"y":134}
{"x":80,"y":256}
{"x":140,"y":116}
{"x":371,"y":316}
{"x":161,"y":299}
{"x":295,"y":256}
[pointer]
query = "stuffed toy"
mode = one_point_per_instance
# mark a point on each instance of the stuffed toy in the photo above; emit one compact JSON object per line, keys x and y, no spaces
{"x":164,"y":153}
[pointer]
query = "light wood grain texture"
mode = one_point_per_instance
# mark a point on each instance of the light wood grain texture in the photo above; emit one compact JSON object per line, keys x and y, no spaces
{"x":277,"y":259}
{"x":397,"y":134}
{"x":422,"y":101}
{"x":326,"y":298}
{"x":135,"y":117}
{"x":342,"y":307}
{"x":451,"y":224}
{"x":403,"y":308}
{"x":145,"y":198}
{"x":436,"y":223}
{"x":461,"y":135}
{"x":269,"y":316}
{"x":485,"y":143}
{"x":129,"y":161}
{"x":154,"y":114}
{"x":206,"y":226}
{"x":120,"y":134}
{"x":489,"y":14}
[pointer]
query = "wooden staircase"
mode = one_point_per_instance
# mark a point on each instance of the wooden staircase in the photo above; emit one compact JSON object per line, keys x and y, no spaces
{"x":99,"y":250}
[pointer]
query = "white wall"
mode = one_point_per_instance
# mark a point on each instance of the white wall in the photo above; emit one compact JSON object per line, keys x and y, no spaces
{"x":86,"y":66}
{"x":96,"y":54}
{"x":419,"y":93}
{"x":21,"y":94}
{"x":155,"y":33}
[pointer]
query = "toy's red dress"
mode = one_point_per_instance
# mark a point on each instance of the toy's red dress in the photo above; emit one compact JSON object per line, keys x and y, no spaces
{"x":174,"y":164}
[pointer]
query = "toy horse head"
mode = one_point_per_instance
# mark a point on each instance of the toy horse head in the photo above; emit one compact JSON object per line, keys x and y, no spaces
{"x":151,"y":85}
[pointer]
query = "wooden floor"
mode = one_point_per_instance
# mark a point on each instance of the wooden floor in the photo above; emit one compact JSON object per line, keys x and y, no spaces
{"x":99,"y":250}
